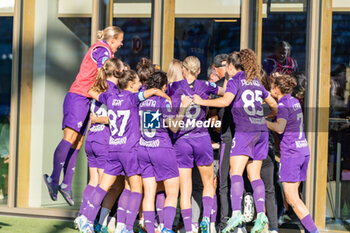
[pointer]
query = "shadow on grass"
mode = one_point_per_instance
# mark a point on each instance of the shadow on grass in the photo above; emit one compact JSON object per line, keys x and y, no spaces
{"x":4,"y":224}
{"x":56,"y":228}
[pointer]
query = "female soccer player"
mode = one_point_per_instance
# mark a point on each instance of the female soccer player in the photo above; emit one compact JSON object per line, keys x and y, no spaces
{"x":175,"y":71}
{"x":125,"y":135}
{"x":295,"y":154}
{"x":76,"y":111}
{"x":193,"y":143}
{"x":250,"y":143}
{"x":145,"y":69}
{"x":156,"y":155}
{"x":98,"y":135}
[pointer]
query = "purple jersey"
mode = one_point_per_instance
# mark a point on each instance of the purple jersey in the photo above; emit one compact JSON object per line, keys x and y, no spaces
{"x":293,"y":142}
{"x":123,"y":119}
{"x":247,"y":110}
{"x":100,"y":55}
{"x":195,"y":116}
{"x":100,"y":132}
{"x":154,"y":132}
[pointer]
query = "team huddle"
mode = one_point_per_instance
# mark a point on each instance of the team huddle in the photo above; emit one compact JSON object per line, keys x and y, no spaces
{"x":148,"y":129}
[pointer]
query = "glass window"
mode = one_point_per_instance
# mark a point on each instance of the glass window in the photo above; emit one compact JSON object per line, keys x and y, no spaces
{"x":284,"y":31}
{"x":338,"y":185}
{"x":6,"y":29}
{"x":62,"y":33}
{"x":205,"y":29}
{"x":134,"y":18}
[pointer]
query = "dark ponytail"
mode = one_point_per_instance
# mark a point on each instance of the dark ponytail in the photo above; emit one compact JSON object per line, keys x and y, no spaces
{"x":126,"y":77}
{"x":145,"y":69}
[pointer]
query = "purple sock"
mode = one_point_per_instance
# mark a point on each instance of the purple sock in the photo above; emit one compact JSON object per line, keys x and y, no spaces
{"x":214,"y":209}
{"x":207,"y":206}
{"x":94,"y":203}
{"x":169,"y":216}
{"x":309,"y":224}
{"x":133,"y":207}
{"x":237,"y":187}
{"x":86,"y":194}
{"x":149,"y":217}
{"x":187,"y":217}
{"x":122,"y":205}
{"x":160,"y":200}
{"x":59,"y":158}
{"x":69,"y":168}
{"x":259,"y":195}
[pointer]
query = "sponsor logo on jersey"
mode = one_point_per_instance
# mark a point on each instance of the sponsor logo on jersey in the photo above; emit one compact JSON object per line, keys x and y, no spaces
{"x":300,"y":144}
{"x":152,"y":143}
{"x":80,"y":124}
{"x":117,"y":102}
{"x":117,"y":141}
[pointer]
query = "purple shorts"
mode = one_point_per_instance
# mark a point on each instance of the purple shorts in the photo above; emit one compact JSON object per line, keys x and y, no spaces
{"x":122,"y":161}
{"x":194,"y":149}
{"x":96,"y":153}
{"x":253,"y":144}
{"x":158,"y":162}
{"x":294,"y":169}
{"x":76,"y":112}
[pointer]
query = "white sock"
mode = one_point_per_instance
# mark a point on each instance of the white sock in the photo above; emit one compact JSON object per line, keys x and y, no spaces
{"x":111,"y":224}
{"x":235,"y":213}
{"x":103,"y":216}
{"x":120,"y":227}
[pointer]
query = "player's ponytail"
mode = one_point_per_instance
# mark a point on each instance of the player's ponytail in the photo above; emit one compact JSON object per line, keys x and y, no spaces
{"x":126,"y":77}
{"x":109,"y":67}
{"x":285,"y":83}
{"x":109,"y":32}
{"x":145,"y":69}
{"x":192,"y":65}
{"x":249,"y":64}
{"x":234,"y":59}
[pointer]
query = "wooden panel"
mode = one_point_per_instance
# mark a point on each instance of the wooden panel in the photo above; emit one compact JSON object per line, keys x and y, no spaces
{"x":156,"y":31}
{"x":14,"y":104}
{"x":109,"y":13}
{"x":311,"y":99}
{"x":25,"y":114}
{"x":168,"y":33}
{"x":245,"y":24}
{"x":323,"y":113}
{"x":95,"y":20}
{"x":258,"y":30}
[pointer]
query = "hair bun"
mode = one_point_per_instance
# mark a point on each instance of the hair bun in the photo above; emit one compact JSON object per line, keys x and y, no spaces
{"x":117,"y":73}
{"x":100,"y":34}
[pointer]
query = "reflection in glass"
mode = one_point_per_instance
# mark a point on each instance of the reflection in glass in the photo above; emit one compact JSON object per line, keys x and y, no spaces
{"x":134,"y":18}
{"x":137,"y":39}
{"x":205,"y":38}
{"x":338,"y":185}
{"x":5,"y":101}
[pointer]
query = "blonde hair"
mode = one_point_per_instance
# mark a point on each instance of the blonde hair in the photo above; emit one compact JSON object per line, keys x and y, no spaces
{"x":175,"y":71}
{"x":109,"y":32}
{"x":192,"y":65}
{"x":112,"y":66}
